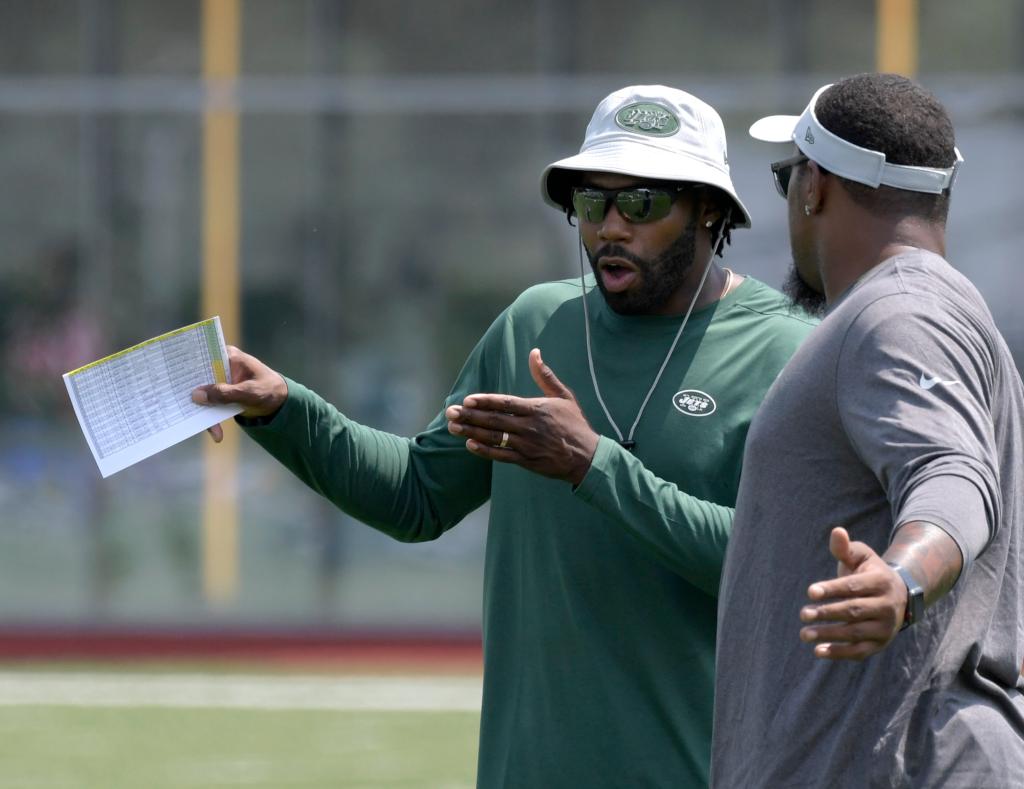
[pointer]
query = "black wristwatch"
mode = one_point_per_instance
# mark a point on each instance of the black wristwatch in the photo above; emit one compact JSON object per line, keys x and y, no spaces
{"x":915,"y":596}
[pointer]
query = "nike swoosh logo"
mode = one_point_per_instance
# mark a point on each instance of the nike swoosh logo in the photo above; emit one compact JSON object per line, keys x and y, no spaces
{"x":928,"y":383}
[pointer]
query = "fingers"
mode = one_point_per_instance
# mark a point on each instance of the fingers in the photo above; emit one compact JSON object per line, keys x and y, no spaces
{"x":880,"y":608}
{"x":258,"y":389}
{"x":216,"y":433}
{"x":857,"y":614}
{"x":218,"y":394}
{"x":849,"y":554}
{"x":546,"y":379}
{"x":854,"y":640}
{"x":871,"y":628}
{"x":497,"y":430}
{"x":854,"y":610}
{"x":505,"y":404}
{"x":864,"y":584}
{"x":859,"y":650}
{"x":255,"y":401}
{"x":861,"y":630}
{"x":242,"y":365}
{"x":839,"y":543}
{"x":870,"y":594}
{"x":494,"y":452}
{"x":492,"y":412}
{"x":497,"y":437}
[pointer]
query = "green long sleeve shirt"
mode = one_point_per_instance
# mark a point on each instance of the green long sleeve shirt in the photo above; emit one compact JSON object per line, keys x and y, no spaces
{"x":599,"y":607}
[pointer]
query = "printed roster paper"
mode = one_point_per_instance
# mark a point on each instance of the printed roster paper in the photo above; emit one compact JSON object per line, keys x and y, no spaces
{"x":137,"y":402}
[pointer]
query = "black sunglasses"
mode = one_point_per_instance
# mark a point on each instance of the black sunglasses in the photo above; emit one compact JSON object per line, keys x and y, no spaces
{"x":637,"y":204}
{"x":783,"y":171}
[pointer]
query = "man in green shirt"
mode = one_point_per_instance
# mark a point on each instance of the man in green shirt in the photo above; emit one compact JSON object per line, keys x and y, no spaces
{"x":606,"y":427}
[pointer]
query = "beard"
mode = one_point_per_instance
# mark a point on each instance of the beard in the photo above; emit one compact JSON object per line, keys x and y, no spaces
{"x":802,"y":295}
{"x":660,"y":277}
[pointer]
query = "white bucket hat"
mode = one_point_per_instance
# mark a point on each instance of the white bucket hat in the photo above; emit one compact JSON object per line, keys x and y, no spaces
{"x":848,"y":160}
{"x":650,"y":131}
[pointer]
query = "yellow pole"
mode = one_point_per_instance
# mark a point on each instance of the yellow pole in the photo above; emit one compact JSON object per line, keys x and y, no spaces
{"x":221,"y":48}
{"x":896,"y":37}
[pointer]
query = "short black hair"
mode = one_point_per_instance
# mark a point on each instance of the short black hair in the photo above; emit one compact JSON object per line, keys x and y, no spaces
{"x":725,"y":225}
{"x":896,"y":116}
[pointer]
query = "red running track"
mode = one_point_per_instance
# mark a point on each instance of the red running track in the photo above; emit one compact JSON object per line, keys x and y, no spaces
{"x":404,"y":650}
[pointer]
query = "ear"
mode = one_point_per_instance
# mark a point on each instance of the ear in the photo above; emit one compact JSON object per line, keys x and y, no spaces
{"x":709,"y":212}
{"x":813,"y":188}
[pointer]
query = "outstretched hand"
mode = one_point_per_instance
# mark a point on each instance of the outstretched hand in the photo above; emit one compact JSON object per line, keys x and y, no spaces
{"x":258,"y":389}
{"x":548,"y":435}
{"x":858,"y":613}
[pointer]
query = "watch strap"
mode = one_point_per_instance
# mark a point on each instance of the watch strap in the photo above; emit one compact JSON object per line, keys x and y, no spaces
{"x":915,"y":596}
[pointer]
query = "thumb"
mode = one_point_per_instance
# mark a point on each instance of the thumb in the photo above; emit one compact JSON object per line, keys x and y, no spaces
{"x":546,"y":379}
{"x":850,"y":555}
{"x":215,"y":394}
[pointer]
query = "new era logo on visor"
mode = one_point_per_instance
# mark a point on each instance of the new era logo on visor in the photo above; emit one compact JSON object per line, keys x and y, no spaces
{"x":647,"y":118}
{"x":808,"y":136}
{"x":694,"y":402}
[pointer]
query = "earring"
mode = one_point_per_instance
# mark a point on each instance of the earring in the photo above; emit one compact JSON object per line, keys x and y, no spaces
{"x":807,"y":210}
{"x":709,"y":223}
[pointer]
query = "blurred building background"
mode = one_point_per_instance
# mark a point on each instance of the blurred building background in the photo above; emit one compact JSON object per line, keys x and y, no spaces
{"x":389,"y":160}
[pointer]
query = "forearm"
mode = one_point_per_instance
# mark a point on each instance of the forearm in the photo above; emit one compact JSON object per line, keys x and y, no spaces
{"x":686,"y":533}
{"x":944,"y":522}
{"x":374,"y":476}
{"x":929,"y":554}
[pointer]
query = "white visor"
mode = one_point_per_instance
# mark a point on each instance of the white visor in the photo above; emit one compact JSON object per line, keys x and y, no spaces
{"x":848,"y":160}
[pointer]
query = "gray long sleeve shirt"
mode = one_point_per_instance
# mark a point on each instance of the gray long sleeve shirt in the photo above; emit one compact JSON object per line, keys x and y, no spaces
{"x":903,"y":405}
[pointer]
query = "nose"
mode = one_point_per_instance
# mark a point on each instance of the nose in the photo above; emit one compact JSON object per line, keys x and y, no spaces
{"x":614,"y":226}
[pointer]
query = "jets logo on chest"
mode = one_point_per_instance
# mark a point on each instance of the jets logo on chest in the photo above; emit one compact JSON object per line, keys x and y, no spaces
{"x":694,"y":402}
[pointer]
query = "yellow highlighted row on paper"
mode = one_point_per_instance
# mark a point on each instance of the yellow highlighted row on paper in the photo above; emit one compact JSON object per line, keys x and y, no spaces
{"x":126,"y":351}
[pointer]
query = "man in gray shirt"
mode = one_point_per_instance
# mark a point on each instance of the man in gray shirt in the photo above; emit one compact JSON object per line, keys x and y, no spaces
{"x":871,"y":617}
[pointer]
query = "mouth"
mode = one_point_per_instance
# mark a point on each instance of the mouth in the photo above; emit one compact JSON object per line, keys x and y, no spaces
{"x":617,"y":274}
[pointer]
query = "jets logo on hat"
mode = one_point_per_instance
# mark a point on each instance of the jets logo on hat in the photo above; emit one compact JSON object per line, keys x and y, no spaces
{"x":649,"y":132}
{"x":650,"y":119}
{"x":693,"y":402}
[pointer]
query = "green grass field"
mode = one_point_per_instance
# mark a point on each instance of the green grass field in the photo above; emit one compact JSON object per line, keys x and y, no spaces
{"x":137,"y":746}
